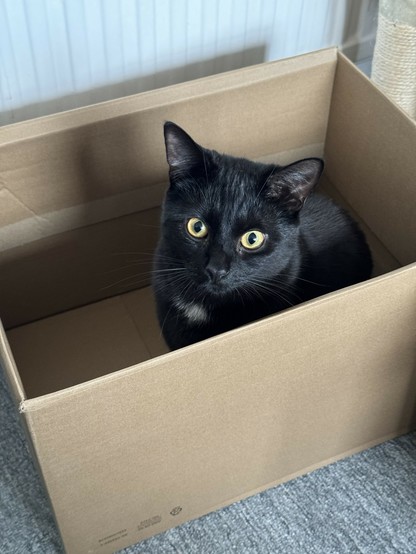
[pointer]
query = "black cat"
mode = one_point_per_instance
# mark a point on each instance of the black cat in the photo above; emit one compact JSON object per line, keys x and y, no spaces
{"x":241,"y":240}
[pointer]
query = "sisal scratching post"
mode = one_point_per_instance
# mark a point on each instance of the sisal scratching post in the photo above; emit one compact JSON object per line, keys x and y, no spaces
{"x":394,"y":63}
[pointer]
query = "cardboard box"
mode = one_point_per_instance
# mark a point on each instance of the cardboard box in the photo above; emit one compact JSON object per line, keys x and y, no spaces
{"x":131,"y":440}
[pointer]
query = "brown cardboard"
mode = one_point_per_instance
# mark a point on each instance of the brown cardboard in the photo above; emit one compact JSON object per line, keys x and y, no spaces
{"x":129,"y":438}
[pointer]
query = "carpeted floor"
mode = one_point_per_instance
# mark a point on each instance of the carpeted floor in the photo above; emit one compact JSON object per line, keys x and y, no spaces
{"x":364,"y":504}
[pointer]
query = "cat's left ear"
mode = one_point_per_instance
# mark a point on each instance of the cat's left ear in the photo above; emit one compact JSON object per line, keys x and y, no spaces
{"x":292,"y":184}
{"x":182,"y":152}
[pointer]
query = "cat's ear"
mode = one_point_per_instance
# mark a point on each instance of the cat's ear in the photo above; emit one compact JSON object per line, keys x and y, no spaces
{"x":182,"y":152}
{"x":291,"y":185}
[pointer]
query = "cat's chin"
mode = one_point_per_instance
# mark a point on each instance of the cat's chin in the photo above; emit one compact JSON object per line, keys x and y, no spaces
{"x":217,"y":291}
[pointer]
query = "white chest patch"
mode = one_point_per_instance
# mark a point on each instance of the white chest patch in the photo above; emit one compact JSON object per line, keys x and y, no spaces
{"x":194,"y":312}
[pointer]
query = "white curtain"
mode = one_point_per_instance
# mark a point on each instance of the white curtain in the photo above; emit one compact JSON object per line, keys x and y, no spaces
{"x":394,"y":62}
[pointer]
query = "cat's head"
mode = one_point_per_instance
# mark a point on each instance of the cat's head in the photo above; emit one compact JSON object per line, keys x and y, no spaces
{"x":231,"y":222}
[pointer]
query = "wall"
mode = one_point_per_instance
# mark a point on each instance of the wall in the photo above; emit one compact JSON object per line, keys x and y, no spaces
{"x":61,"y":54}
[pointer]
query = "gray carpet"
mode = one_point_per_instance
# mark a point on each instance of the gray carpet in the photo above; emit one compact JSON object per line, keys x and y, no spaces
{"x":364,"y":504}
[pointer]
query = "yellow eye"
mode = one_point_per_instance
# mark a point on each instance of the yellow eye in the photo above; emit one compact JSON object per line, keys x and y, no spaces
{"x":252,"y":239}
{"x":197,"y":228}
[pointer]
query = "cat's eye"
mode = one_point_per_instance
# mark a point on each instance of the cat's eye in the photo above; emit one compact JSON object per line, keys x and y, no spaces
{"x":197,"y":228}
{"x":252,"y":240}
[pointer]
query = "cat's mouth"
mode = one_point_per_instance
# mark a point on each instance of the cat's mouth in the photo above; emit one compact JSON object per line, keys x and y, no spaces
{"x":214,"y":285}
{"x":217,"y":289}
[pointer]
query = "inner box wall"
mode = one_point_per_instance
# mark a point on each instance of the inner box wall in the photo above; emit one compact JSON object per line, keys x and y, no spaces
{"x":253,"y":113}
{"x":82,"y":344}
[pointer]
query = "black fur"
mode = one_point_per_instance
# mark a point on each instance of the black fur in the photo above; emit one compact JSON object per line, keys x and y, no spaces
{"x":205,"y":286}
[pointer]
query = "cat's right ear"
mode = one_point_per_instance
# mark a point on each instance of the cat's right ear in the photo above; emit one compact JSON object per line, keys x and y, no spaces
{"x":291,"y":185}
{"x":182,"y":152}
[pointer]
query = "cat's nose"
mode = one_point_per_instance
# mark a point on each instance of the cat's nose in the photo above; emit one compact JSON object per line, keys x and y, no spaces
{"x":215,"y":273}
{"x":218,"y":265}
